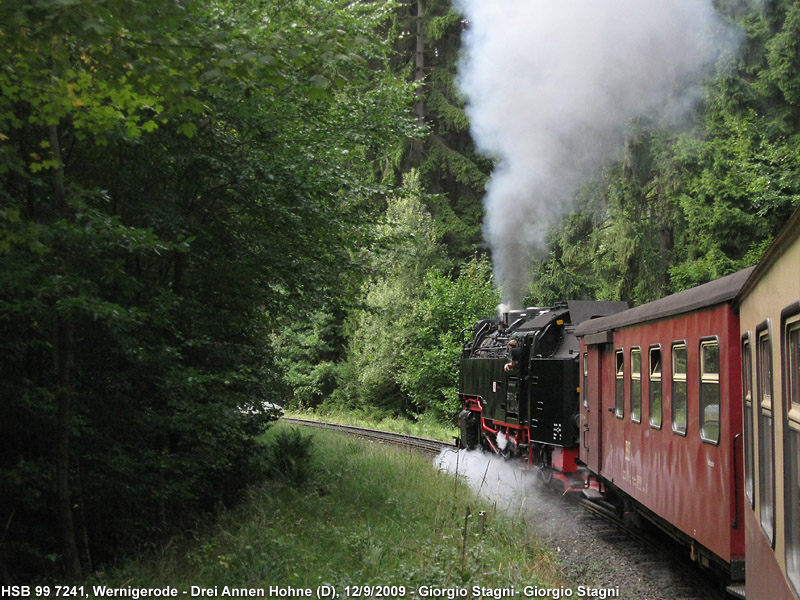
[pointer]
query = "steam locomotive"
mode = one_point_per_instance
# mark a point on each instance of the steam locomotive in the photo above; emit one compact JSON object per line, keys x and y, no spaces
{"x":518,"y":384}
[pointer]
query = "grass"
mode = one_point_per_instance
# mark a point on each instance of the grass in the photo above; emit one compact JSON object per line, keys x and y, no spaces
{"x":368,"y":515}
{"x":424,"y":426}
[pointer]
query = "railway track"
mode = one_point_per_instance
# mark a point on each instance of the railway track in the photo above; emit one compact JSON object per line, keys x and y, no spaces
{"x":400,"y":439}
{"x":665,"y":561}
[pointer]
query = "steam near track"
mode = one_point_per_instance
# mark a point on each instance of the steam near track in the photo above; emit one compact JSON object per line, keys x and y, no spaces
{"x":507,"y":484}
{"x":591,"y":550}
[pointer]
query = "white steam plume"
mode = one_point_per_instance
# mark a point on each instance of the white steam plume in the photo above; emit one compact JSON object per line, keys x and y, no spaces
{"x":550,"y":86}
{"x":505,"y":483}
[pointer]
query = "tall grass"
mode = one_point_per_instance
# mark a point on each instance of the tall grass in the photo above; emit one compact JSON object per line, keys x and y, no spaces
{"x":367,"y":514}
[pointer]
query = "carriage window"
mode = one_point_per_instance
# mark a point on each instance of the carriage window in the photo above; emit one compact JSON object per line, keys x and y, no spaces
{"x":766,"y":458}
{"x":585,"y":379}
{"x":747,"y":396}
{"x":655,"y":388}
{"x":793,"y":363}
{"x":791,"y":366}
{"x":679,"y":389}
{"x":636,"y":385}
{"x":709,"y":391}
{"x":619,"y":391}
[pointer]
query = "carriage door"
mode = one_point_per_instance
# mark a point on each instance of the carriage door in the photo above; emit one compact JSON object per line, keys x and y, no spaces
{"x":592,"y":405}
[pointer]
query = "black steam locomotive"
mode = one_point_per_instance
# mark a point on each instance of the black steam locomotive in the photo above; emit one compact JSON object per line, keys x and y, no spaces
{"x":519,"y":384}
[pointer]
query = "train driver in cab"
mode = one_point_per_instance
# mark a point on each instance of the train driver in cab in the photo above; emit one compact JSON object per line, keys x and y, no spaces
{"x":514,"y":352}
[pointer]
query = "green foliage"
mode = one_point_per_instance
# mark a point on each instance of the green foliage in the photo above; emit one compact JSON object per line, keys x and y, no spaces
{"x":406,"y":248}
{"x":445,"y":315}
{"x":740,"y":188}
{"x":174,"y":180}
{"x":289,"y":456}
{"x":388,"y":356}
{"x":451,"y":172}
{"x":783,"y":57}
{"x":578,"y":247}
{"x":305,"y":355}
{"x":403,"y":347}
{"x":371,"y":515}
{"x":680,"y":209}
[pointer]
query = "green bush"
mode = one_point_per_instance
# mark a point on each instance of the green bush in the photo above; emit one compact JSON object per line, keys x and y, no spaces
{"x":289,"y":457}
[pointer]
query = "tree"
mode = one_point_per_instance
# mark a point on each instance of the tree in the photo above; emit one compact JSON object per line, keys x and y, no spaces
{"x":175,"y":178}
{"x":406,"y":247}
{"x":451,"y":171}
{"x":449,"y":307}
{"x":402,"y":351}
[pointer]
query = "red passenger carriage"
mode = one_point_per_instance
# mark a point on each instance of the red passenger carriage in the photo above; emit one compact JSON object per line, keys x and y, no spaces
{"x":661,"y":416}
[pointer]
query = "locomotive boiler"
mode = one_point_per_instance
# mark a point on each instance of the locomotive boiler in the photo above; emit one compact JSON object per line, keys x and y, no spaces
{"x":519,"y":384}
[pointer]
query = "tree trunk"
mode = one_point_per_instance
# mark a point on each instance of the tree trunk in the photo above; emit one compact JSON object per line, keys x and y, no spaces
{"x":80,"y":517}
{"x":63,"y":358}
{"x":419,"y":64}
{"x":419,"y":78}
{"x":63,"y":333}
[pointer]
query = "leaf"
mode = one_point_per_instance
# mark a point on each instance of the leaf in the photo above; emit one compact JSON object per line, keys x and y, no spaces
{"x":188,"y":129}
{"x":211,"y":74}
{"x":318,"y":81}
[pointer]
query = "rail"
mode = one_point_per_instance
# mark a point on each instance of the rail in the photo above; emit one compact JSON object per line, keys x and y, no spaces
{"x":401,"y":439}
{"x":679,"y":572}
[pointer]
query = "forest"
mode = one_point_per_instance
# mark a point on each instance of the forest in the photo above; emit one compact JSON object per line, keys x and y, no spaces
{"x":209,"y":209}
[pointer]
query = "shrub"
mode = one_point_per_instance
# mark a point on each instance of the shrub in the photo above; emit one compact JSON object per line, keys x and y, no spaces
{"x":290,"y":455}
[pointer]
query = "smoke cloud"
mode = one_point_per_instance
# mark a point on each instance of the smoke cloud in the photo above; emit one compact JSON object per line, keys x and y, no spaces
{"x":550,"y":87}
